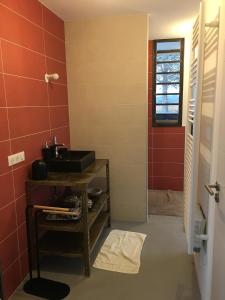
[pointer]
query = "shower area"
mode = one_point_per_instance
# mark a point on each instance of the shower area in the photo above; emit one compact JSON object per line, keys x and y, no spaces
{"x":166,"y":128}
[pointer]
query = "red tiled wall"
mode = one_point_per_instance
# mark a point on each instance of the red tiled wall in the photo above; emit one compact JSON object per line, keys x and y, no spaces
{"x":165,"y":149}
{"x":31,"y":112}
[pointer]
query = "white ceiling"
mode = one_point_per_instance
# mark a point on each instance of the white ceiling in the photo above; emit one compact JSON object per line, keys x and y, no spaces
{"x":168,"y":18}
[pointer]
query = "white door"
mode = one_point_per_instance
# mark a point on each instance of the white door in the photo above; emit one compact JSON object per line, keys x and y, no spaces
{"x":218,"y":272}
{"x":210,"y":263}
{"x":208,"y":150}
{"x":203,"y":260}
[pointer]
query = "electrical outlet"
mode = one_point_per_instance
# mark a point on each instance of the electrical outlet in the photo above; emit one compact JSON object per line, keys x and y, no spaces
{"x":16,"y":158}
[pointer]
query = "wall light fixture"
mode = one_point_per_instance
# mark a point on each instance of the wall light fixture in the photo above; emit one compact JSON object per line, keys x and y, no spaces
{"x":49,"y":77}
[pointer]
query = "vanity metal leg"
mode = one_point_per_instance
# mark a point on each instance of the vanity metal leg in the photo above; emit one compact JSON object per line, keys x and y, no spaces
{"x":108,"y":191}
{"x":37,"y":242}
{"x":29,"y":227}
{"x":87,"y":261}
{"x":86,"y":234}
{"x":1,"y":285}
{"x":29,"y":240}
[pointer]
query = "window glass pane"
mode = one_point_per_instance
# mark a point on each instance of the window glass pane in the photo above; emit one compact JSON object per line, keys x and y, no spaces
{"x":167,"y":78}
{"x":167,"y":99}
{"x":167,"y":67}
{"x":168,"y":45}
{"x":168,"y":56}
{"x":167,"y":88}
{"x":167,"y":109}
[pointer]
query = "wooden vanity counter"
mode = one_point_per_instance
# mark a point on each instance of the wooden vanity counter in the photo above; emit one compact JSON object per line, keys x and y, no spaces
{"x":74,"y":238}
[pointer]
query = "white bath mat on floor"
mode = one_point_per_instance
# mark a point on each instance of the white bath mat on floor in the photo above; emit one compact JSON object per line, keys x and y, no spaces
{"x":121,"y":252}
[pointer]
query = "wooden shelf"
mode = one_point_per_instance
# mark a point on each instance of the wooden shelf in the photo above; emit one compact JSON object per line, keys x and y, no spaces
{"x":74,"y":226}
{"x":71,"y":238}
{"x":97,"y":208}
{"x":70,"y":244}
{"x":71,"y":179}
{"x":97,"y":229}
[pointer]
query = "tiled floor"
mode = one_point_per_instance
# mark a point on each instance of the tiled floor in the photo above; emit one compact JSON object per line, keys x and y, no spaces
{"x":166,"y":273}
{"x":165,"y":203}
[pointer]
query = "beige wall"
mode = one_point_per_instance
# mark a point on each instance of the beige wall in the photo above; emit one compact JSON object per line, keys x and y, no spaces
{"x":107,"y":83}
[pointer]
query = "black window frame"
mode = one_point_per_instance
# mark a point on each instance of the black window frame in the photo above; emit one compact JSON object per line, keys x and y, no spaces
{"x":165,"y":123}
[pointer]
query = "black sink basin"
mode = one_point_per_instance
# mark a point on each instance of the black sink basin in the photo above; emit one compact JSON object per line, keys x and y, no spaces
{"x":71,"y":161}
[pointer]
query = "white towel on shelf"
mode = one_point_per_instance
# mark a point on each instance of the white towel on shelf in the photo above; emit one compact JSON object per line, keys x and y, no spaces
{"x":121,"y":252}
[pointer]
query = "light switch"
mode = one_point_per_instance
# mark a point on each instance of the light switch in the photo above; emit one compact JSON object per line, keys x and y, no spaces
{"x":16,"y":158}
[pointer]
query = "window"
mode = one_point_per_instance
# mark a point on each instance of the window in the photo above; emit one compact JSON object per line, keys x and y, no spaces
{"x":167,"y":87}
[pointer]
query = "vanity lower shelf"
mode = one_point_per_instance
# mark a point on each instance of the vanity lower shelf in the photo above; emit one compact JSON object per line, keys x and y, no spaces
{"x":70,"y":238}
{"x":74,"y":226}
{"x":70,"y":244}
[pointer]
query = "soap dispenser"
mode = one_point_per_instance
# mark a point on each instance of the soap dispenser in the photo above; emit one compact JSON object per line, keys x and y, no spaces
{"x":46,"y":152}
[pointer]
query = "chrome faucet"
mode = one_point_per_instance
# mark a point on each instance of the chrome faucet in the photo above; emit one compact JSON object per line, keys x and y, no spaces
{"x":55,"y":146}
